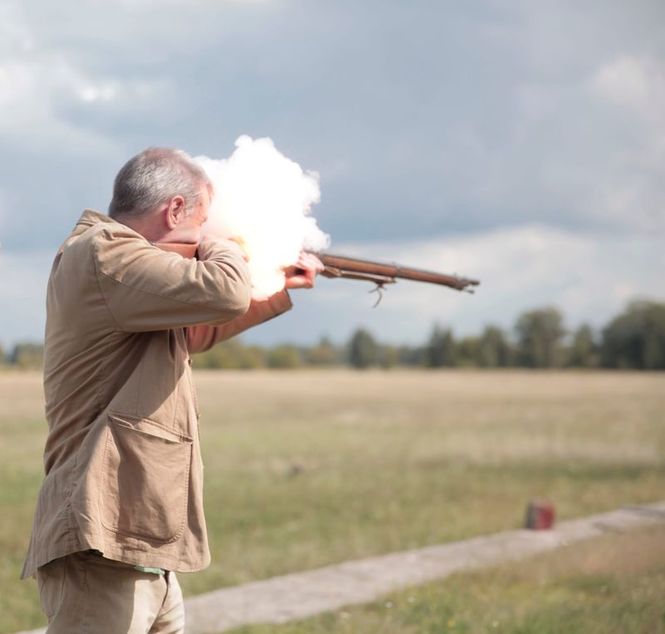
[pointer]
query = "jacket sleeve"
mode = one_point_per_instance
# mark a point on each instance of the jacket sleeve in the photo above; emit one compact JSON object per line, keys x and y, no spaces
{"x":202,"y":338}
{"x":146,"y":288}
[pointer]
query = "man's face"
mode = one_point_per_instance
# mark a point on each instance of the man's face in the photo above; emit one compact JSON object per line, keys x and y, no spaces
{"x":188,"y":229}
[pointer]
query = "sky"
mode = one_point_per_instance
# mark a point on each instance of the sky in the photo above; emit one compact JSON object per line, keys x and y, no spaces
{"x":519,"y":142}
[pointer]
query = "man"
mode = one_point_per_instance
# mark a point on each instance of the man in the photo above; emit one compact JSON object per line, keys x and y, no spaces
{"x":120,"y":509}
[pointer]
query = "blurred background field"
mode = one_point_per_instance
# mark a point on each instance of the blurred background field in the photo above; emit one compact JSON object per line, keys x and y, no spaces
{"x":305,"y":468}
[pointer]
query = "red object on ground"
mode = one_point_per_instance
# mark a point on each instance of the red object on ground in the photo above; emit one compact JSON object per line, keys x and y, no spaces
{"x":540,"y":515}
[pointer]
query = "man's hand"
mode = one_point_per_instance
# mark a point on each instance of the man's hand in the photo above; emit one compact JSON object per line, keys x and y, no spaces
{"x":303,"y":272}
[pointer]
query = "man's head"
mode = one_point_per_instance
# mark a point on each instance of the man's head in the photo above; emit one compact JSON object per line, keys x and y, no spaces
{"x":162,"y":194}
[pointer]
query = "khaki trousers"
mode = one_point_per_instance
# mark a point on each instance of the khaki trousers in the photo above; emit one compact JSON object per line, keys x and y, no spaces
{"x":84,"y":593}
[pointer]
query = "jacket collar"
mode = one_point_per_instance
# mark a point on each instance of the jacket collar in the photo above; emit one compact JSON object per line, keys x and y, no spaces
{"x":90,"y":217}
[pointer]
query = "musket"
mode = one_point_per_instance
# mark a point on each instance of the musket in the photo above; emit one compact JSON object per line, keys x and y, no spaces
{"x":381,"y":274}
{"x":338,"y":266}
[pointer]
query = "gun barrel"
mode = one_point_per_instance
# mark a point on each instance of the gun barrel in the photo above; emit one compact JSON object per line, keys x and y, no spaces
{"x":342,"y":266}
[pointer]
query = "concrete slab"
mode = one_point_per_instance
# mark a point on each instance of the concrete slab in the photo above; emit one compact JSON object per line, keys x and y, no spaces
{"x":299,"y":595}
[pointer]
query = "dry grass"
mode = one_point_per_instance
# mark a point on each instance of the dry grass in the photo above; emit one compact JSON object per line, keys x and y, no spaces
{"x":308,"y":468}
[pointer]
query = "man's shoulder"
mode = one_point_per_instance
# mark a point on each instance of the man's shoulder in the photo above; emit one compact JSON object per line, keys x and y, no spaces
{"x":97,"y":233}
{"x":95,"y":225}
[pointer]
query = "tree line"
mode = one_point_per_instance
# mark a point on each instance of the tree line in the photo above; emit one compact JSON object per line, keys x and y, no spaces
{"x":634,"y":339}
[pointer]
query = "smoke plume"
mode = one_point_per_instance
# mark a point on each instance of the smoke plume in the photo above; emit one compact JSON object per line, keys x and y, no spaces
{"x":263,"y":200}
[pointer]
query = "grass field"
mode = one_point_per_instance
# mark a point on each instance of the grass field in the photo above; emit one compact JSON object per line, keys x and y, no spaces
{"x":309,"y":468}
{"x":611,"y":585}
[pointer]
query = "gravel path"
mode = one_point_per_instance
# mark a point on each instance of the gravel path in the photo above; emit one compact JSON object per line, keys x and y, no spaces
{"x":304,"y":594}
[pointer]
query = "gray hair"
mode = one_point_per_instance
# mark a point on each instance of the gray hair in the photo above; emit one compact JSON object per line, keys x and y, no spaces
{"x":153,"y":177}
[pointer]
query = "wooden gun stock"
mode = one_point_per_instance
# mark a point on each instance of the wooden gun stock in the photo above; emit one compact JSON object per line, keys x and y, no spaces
{"x":380,"y":274}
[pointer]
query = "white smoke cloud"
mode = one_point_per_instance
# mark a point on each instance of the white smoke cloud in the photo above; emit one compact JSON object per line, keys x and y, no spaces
{"x":263,"y":200}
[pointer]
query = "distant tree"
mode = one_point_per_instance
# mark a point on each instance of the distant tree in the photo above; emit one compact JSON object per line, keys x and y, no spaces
{"x":494,"y":350}
{"x":27,"y":356}
{"x":323,"y":353}
{"x":250,"y":357}
{"x":231,"y":355}
{"x":583,"y":351}
{"x":636,"y":337}
{"x":388,"y":356}
{"x":284,"y":357}
{"x":467,"y":352}
{"x":539,"y":334}
{"x":410,"y":356}
{"x":363,"y":349}
{"x":440,"y":350}
{"x":3,"y":358}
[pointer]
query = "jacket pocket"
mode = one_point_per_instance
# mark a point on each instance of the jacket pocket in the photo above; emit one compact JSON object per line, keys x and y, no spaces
{"x":146,"y":485}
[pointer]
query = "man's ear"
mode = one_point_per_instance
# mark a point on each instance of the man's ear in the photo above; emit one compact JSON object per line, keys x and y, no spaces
{"x":175,"y":211}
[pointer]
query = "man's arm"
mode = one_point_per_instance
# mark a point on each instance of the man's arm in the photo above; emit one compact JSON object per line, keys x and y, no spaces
{"x":202,"y":338}
{"x":146,"y":288}
{"x":302,"y":275}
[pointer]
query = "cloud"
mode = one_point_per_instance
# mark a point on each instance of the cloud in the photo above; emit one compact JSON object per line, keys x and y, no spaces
{"x":635,"y":86}
{"x":49,"y":96}
{"x":482,"y":118}
{"x":39,"y":94}
{"x":423,"y":119}
{"x":23,"y":278}
{"x":637,"y":83}
{"x":590,"y":278}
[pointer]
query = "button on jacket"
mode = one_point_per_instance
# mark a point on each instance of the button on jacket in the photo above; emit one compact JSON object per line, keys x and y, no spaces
{"x":123,"y":470}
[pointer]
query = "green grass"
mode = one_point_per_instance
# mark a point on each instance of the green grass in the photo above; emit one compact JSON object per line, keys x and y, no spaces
{"x":611,"y":585}
{"x":309,"y":468}
{"x":22,"y":434}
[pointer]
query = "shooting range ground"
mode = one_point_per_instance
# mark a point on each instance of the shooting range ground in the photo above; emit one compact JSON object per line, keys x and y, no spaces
{"x":308,"y":468}
{"x":610,"y":585}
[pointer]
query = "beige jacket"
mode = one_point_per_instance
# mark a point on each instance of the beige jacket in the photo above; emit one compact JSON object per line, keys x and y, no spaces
{"x":122,"y":459}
